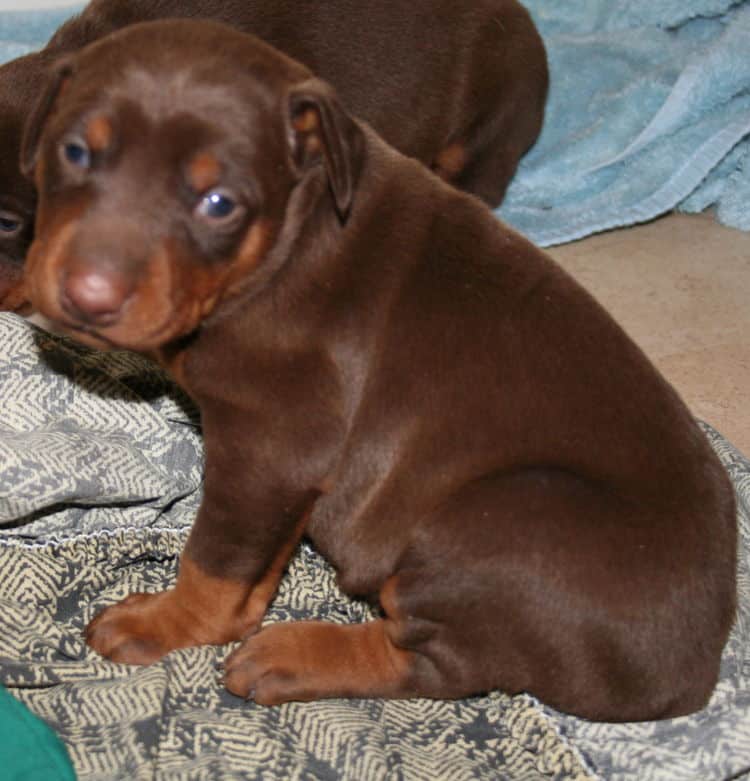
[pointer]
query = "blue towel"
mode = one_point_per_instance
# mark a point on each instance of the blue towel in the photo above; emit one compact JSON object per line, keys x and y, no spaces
{"x":649,"y":110}
{"x":25,"y":31}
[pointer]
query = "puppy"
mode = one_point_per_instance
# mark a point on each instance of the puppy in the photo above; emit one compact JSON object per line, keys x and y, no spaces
{"x":382,"y":365}
{"x":459,"y":86}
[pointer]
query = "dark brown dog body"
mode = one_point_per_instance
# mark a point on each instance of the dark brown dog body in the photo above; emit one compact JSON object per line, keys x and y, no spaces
{"x":463,"y":432}
{"x":459,"y":86}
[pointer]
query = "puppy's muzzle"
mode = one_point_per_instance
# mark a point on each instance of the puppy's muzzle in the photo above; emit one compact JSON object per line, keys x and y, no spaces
{"x":93,"y":294}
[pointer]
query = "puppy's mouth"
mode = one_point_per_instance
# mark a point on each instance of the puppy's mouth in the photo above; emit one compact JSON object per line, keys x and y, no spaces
{"x":116,"y":311}
{"x":140,"y":300}
{"x":119,"y":335}
{"x":132,"y":325}
{"x":86,"y":334}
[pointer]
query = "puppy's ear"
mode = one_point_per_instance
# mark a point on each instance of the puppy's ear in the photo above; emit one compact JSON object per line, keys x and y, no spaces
{"x":57,"y":79}
{"x":320,"y":131}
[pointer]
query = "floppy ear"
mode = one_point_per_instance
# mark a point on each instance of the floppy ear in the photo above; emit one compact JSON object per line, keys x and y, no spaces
{"x":40,"y":112}
{"x":321,"y":131}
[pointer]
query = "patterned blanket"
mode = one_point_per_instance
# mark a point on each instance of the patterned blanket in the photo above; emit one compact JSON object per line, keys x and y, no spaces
{"x":100,"y":475}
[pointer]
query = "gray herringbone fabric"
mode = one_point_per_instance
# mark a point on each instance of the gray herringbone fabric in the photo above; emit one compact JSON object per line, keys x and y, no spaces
{"x":100,"y":469}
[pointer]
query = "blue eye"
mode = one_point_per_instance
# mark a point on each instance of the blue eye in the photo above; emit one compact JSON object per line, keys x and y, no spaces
{"x":10,"y":224}
{"x":77,"y":153}
{"x":217,"y":205}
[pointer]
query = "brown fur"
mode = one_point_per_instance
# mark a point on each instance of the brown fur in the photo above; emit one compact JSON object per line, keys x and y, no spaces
{"x":460,"y":428}
{"x":428,"y":75}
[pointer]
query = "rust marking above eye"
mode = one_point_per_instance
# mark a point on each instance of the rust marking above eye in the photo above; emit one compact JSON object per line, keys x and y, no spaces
{"x":99,"y":133}
{"x":47,"y":257}
{"x":307,"y":121}
{"x":450,"y":161}
{"x":204,"y":172}
{"x":313,"y":145}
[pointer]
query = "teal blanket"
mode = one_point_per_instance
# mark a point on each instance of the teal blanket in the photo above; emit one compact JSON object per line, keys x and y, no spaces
{"x":29,"y":749}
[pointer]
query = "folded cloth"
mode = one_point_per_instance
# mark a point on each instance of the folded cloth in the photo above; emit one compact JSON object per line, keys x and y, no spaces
{"x":649,"y":109}
{"x":90,"y":439}
{"x":30,"y":750}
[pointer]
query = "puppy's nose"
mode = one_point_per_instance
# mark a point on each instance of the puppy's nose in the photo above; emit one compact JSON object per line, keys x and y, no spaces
{"x":96,"y":296}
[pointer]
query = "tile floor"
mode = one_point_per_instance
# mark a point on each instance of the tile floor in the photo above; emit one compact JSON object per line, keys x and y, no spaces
{"x":681,"y":288}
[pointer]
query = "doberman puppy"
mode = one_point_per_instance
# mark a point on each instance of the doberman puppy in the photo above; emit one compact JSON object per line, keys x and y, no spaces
{"x":460,"y":86}
{"x":384,"y":366}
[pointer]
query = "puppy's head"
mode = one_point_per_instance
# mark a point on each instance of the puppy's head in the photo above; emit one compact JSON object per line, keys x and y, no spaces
{"x":166,"y":157}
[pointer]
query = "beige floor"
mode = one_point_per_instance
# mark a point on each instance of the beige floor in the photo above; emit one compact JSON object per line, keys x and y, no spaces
{"x":681,"y":287}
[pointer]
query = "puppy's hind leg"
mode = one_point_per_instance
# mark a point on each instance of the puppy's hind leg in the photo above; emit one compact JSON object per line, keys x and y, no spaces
{"x":445,"y":628}
{"x":309,"y":660}
{"x":536,"y":580}
{"x":458,"y":616}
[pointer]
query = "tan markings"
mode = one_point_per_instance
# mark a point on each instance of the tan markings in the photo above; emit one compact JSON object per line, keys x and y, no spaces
{"x":152,"y":317}
{"x":44,"y":263}
{"x":249,"y":254}
{"x":307,"y":121}
{"x":175,"y":295}
{"x":450,"y":161}
{"x":308,"y":660}
{"x":327,"y":484}
{"x":388,"y":599}
{"x":208,"y":305}
{"x":39,"y":174}
{"x":220,"y":607}
{"x":99,"y":133}
{"x":201,"y":609}
{"x":14,"y":298}
{"x":204,"y":172}
{"x":313,"y":145}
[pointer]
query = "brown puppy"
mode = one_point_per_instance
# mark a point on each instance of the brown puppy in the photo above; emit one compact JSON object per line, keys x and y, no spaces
{"x":459,"y":86}
{"x":382,"y":365}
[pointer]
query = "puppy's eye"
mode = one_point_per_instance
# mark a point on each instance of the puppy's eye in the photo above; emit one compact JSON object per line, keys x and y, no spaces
{"x":76,"y":153}
{"x":10,"y":224}
{"x":217,"y":206}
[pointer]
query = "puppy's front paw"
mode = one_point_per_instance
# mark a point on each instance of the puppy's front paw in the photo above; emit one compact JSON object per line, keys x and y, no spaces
{"x":268,"y":667}
{"x":140,"y":629}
